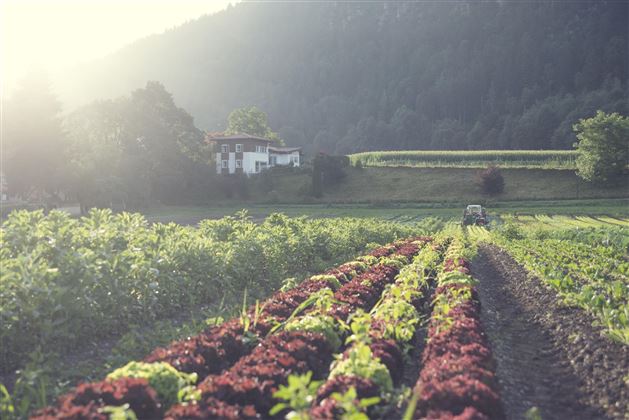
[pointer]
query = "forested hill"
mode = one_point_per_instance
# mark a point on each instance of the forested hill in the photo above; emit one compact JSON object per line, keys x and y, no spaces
{"x":347,"y":77}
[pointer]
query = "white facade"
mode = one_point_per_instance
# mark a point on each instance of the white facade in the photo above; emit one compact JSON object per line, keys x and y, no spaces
{"x":255,"y":162}
{"x":243,"y":153}
{"x":284,"y":159}
{"x":251,"y":162}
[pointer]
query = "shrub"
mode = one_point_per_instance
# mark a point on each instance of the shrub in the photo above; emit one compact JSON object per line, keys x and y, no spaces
{"x":327,"y":170}
{"x":490,"y":180}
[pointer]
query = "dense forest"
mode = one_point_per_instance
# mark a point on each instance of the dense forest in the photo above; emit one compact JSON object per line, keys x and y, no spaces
{"x":348,"y":77}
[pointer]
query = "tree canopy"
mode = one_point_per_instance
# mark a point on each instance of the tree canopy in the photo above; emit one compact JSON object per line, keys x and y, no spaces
{"x":603,"y":145}
{"x":250,"y":121}
{"x":134,"y":148}
{"x":346,"y":77}
{"x":33,"y":139}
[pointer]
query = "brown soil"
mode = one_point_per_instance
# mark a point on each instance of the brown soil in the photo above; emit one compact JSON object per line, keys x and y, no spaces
{"x":548,"y":355}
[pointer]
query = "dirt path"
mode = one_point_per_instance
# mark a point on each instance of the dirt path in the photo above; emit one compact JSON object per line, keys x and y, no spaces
{"x":548,"y":356}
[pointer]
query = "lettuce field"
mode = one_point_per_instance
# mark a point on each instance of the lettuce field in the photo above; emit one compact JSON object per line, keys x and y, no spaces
{"x":425,"y":320}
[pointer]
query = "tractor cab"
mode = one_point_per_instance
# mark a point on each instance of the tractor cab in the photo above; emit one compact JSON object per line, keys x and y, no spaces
{"x":474,"y":214}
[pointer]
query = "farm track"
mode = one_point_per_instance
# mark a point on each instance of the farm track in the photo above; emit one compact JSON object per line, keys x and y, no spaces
{"x":548,"y":356}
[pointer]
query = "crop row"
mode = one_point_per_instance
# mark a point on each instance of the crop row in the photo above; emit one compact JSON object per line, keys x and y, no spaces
{"x":594,"y":275}
{"x":239,"y":363}
{"x":65,"y":281}
{"x":363,"y":377}
{"x":336,"y":347}
{"x":457,"y":375}
{"x":469,"y":158}
{"x":254,"y":380}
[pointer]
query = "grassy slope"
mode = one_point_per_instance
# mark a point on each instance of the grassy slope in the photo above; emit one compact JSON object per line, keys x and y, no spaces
{"x":410,"y":193}
{"x":457,"y":185}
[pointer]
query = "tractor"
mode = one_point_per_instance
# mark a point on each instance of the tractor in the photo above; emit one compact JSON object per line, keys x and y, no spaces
{"x":474,"y":214}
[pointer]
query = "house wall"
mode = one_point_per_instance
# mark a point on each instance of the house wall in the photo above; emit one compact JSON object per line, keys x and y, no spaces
{"x":249,"y":155}
{"x":250,"y":158}
{"x":248,"y":162}
{"x":286,"y":158}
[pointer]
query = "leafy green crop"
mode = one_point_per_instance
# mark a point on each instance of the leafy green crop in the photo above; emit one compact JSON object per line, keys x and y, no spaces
{"x":323,"y":324}
{"x":298,"y":395}
{"x":64,"y":280}
{"x":360,"y":362}
{"x":328,"y":278}
{"x":587,"y":266}
{"x":162,"y":377}
{"x":352,"y":408}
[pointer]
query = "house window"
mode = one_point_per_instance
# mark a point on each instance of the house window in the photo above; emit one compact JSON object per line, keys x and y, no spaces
{"x":225,"y":148}
{"x":238,"y":148}
{"x":224,"y":164}
{"x":261,"y":149}
{"x":238,"y":163}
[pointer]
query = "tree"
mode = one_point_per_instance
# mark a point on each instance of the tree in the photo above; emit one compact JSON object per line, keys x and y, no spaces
{"x":34,"y":142}
{"x":250,"y":121}
{"x":603,"y":146}
{"x":135,"y":148}
{"x":490,"y":180}
{"x":525,"y":69}
{"x":326,"y":171}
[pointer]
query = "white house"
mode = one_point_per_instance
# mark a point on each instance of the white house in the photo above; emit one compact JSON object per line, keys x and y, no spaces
{"x":284,"y":156}
{"x":244,"y":153}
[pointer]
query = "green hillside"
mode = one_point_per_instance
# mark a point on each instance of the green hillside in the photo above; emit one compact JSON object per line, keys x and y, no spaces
{"x":345,"y":77}
{"x":382,"y":185}
{"x":455,"y":185}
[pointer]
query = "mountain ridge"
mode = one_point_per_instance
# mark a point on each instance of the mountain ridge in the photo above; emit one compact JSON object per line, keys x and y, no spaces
{"x":343,"y":78}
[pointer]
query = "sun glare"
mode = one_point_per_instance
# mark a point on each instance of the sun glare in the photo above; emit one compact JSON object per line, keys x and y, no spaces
{"x":54,"y":34}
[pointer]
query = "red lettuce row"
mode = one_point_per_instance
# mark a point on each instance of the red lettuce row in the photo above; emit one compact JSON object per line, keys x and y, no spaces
{"x":365,"y":290}
{"x":252,"y":378}
{"x":326,"y":407}
{"x":249,"y":385}
{"x":88,"y":401}
{"x":457,"y":379}
{"x":218,"y":348}
{"x":383,"y":359}
{"x":247,"y":388}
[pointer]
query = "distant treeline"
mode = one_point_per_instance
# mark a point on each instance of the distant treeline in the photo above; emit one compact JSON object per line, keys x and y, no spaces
{"x":346,"y":77}
{"x":545,"y":159}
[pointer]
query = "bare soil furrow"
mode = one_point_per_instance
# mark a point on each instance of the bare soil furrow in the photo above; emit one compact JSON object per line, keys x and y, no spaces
{"x":548,"y":355}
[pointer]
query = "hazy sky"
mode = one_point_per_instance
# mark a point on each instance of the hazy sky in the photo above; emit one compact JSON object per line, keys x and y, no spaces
{"x":54,"y":34}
